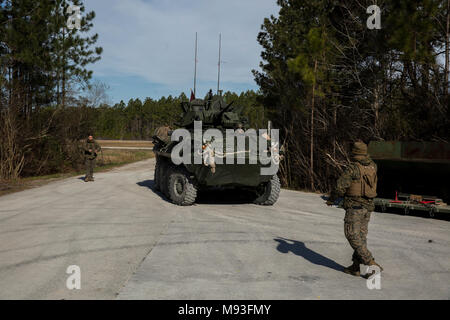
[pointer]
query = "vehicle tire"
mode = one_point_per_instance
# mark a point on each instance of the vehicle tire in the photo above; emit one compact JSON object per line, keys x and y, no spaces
{"x":156,"y":179}
{"x":182,"y":188}
{"x":269,"y":192}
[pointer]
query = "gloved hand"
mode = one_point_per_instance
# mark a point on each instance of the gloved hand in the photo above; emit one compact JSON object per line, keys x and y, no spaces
{"x":330,"y":203}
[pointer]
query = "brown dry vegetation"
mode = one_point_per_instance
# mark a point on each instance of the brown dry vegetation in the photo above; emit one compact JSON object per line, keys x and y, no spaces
{"x":117,"y":157}
{"x":126,"y":143}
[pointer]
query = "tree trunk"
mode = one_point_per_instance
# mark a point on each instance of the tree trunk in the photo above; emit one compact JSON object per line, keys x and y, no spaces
{"x":63,"y":86}
{"x":376,"y":106}
{"x":311,"y":173}
{"x":334,"y":131}
{"x":447,"y":49}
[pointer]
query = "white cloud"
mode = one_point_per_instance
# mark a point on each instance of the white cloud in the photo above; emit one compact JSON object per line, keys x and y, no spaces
{"x":155,"y":39}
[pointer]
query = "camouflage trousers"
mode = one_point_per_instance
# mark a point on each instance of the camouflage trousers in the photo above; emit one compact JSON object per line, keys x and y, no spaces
{"x":90,"y":165}
{"x":356,"y":227}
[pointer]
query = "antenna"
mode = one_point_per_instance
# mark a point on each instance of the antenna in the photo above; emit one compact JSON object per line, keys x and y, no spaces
{"x":218,"y":64}
{"x":195,"y":67}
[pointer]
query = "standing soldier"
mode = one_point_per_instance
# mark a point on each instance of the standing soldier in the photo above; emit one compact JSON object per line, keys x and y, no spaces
{"x":163,"y":133}
{"x":161,"y":137}
{"x":91,"y":148}
{"x":358,"y":185}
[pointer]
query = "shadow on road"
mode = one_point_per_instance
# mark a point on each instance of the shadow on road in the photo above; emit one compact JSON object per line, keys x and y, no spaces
{"x":225,"y":197}
{"x":147,"y":183}
{"x":218,"y":197}
{"x":151,"y":185}
{"x":298,"y":248}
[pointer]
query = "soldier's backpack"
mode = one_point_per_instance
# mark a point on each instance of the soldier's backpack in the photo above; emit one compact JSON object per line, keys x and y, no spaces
{"x":162,"y":133}
{"x":366,"y":186}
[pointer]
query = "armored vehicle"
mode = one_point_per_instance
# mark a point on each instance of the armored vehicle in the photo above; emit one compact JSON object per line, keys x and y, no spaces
{"x":180,"y":182}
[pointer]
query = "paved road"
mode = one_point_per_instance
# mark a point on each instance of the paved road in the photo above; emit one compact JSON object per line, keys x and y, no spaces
{"x":132,"y":244}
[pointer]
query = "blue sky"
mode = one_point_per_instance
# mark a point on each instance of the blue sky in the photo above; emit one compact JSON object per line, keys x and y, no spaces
{"x":149,"y":45}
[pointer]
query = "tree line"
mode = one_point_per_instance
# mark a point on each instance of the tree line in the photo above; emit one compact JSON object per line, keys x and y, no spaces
{"x":138,"y":119}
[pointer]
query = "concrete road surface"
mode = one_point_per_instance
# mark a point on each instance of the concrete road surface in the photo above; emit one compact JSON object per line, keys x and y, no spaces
{"x":130,"y":243}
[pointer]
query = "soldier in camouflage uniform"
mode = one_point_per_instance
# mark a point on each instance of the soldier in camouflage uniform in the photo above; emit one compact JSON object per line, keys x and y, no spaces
{"x":163,"y":134}
{"x":91,"y":148}
{"x":358,"y":187}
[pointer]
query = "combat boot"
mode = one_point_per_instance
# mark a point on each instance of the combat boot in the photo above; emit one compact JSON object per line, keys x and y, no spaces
{"x":353,"y":269}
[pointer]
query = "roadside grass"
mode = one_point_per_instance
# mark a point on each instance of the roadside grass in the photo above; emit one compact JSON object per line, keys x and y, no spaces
{"x":107,"y":160}
{"x":125,"y":143}
{"x":114,"y":157}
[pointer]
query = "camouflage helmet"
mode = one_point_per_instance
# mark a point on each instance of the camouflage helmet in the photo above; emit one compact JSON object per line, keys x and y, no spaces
{"x":359,"y":148}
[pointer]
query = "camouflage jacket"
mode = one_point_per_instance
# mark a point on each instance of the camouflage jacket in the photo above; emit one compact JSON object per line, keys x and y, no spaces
{"x":91,"y":145}
{"x":344,"y":181}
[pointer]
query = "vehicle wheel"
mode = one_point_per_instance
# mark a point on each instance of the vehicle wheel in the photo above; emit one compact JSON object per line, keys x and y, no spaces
{"x":182,"y":188}
{"x":432,"y":212}
{"x":269,"y":192}
{"x":406,"y":211}
{"x":156,"y":181}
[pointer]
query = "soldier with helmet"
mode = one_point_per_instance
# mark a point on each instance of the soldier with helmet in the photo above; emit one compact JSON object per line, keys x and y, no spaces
{"x":91,"y":148}
{"x":358,"y":185}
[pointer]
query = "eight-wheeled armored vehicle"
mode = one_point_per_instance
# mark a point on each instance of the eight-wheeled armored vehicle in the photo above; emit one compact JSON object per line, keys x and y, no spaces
{"x":181,"y":182}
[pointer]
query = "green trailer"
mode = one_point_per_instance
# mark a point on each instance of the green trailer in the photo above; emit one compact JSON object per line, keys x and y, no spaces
{"x":412,"y":168}
{"x":408,"y":169}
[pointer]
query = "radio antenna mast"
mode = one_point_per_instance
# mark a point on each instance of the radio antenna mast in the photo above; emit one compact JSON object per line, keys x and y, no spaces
{"x":195,"y":66}
{"x":218,"y":64}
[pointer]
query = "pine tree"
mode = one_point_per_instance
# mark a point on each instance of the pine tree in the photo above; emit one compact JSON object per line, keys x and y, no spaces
{"x":72,"y":50}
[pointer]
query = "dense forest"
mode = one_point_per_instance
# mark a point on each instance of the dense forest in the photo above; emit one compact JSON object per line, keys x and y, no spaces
{"x":43,"y":64}
{"x":326,"y":79}
{"x":138,"y":119}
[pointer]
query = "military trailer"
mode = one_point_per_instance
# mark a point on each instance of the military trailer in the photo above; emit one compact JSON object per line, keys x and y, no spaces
{"x":409,"y":171}
{"x":181,"y":182}
{"x":410,"y":202}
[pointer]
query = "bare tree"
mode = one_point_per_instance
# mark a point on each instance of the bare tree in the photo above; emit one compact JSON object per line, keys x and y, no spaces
{"x":447,"y":50}
{"x":96,"y":94}
{"x":12,"y":157}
